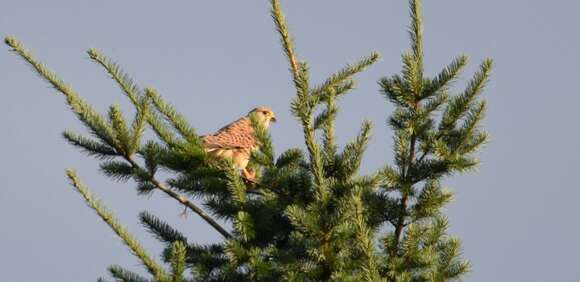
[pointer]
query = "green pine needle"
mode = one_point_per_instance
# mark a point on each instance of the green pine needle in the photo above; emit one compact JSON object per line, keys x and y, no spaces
{"x":178,"y":253}
{"x":152,"y":266}
{"x":178,"y":121}
{"x":125,"y":275}
{"x":90,"y":146}
{"x":160,"y":229}
{"x":90,"y":118}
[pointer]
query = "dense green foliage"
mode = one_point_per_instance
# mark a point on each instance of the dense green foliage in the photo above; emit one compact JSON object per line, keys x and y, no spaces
{"x":310,"y":216}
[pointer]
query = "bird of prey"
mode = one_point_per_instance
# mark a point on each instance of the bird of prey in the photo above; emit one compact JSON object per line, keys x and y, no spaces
{"x":236,"y":141}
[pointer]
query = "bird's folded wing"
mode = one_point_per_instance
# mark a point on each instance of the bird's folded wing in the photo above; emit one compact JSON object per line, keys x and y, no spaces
{"x":238,"y":134}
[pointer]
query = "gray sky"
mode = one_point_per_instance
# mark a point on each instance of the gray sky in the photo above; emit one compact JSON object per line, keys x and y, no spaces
{"x":215,"y":60}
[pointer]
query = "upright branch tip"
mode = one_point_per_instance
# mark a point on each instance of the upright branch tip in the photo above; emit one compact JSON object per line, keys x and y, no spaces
{"x":285,"y":37}
{"x":12,"y":42}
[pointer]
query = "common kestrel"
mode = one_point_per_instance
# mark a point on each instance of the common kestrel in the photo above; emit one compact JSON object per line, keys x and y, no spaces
{"x":236,"y":141}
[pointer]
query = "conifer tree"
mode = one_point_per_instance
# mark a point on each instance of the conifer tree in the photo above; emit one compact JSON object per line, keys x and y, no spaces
{"x":310,"y":215}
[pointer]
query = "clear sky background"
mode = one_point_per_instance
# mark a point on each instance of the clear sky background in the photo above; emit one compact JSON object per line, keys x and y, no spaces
{"x":215,"y":60}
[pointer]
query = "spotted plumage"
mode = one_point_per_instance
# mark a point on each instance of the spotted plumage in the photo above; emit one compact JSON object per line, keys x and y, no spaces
{"x":236,"y":141}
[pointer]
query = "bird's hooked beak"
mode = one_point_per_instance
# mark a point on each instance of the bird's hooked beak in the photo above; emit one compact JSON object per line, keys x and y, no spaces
{"x":273,"y":119}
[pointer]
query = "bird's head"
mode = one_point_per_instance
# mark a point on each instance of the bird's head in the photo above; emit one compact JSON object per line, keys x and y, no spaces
{"x":264,"y":114}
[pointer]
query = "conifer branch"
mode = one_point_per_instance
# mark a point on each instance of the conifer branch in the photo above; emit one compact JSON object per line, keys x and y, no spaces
{"x":265,"y":155}
{"x":364,"y":237}
{"x":117,"y":170}
{"x":416,"y":34}
{"x":138,"y":125}
{"x":125,"y":82}
{"x":405,"y":189}
{"x":125,"y":275}
{"x":90,"y":146}
{"x":413,"y":73}
{"x":353,"y":152}
{"x":176,"y":119}
{"x":285,"y":38}
{"x":160,"y":130}
{"x":118,"y":135}
{"x":120,"y":129}
{"x":405,"y":195}
{"x":327,"y":120}
{"x":459,"y":105}
{"x":290,"y":157}
{"x":446,"y":76}
{"x":183,"y":200}
{"x":178,"y":253}
{"x":302,"y":107}
{"x":160,"y":229}
{"x":156,"y":270}
{"x":346,"y":73}
{"x":90,"y":118}
{"x":134,"y":94}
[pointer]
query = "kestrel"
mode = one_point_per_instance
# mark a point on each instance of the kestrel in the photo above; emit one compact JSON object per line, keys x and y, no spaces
{"x":236,"y":141}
